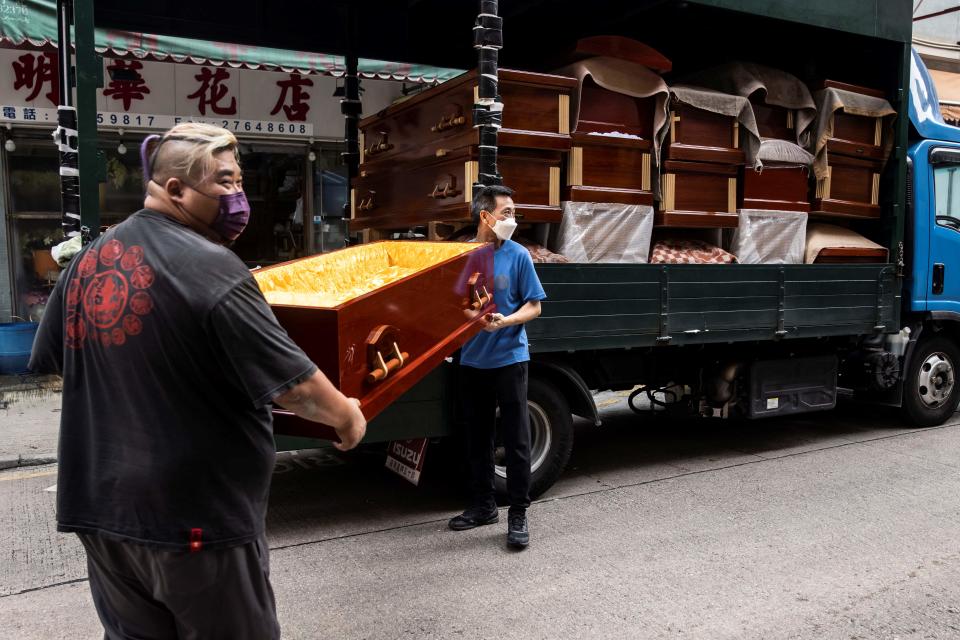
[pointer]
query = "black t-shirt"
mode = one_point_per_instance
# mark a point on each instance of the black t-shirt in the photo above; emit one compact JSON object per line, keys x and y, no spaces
{"x":170,"y":358}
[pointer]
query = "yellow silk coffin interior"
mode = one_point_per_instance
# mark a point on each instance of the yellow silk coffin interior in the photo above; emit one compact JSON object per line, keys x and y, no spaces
{"x":331,"y":279}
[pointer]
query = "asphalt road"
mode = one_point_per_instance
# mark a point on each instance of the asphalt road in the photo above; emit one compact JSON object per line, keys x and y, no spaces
{"x":840,"y":525}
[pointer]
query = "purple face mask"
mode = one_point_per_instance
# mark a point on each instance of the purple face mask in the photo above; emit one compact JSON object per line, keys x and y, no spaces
{"x":232,"y":217}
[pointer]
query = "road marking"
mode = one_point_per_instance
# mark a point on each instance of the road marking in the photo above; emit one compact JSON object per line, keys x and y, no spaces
{"x":51,"y":489}
{"x":23,"y":475}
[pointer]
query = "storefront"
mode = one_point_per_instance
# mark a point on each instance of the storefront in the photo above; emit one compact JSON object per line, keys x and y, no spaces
{"x":287,"y":119}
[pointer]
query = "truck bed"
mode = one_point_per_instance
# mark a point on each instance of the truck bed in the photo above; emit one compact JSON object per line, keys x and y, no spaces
{"x":609,"y":306}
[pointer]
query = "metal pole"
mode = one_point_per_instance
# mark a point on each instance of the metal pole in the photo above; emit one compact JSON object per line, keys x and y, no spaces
{"x":65,"y":137}
{"x":88,"y":79}
{"x":351,"y":107}
{"x":488,"y":110}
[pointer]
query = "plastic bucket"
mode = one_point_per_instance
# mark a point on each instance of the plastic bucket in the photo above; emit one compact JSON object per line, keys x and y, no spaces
{"x":16,"y":341}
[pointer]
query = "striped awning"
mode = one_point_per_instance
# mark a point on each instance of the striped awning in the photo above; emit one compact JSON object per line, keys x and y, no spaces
{"x":34,"y":23}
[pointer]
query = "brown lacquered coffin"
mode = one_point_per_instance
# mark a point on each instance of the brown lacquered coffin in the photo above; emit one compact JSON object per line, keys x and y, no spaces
{"x":536,"y":115}
{"x":378,"y":317}
{"x":776,"y":188}
{"x":697,"y":135}
{"x":698,"y":194}
{"x":773,"y":121}
{"x":851,"y":188}
{"x":609,"y":169}
{"x":439,"y":189}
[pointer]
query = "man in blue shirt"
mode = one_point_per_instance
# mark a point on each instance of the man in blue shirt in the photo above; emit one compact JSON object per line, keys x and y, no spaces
{"x":493,"y":372}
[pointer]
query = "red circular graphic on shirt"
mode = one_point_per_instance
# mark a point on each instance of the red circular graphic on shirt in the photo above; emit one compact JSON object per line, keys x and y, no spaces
{"x":132,"y":325}
{"x":142,"y":277}
{"x":110,"y":251}
{"x":73,"y":293}
{"x":141,"y":303}
{"x":105,"y":299}
{"x":76,"y":331}
{"x":118,"y":336}
{"x":88,"y":264}
{"x":132,"y":257}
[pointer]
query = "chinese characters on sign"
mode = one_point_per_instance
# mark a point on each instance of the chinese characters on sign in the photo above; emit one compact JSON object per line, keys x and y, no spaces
{"x":145,"y":94}
{"x":32,"y":71}
{"x":126,"y":82}
{"x":298,"y":107}
{"x":212,"y":91}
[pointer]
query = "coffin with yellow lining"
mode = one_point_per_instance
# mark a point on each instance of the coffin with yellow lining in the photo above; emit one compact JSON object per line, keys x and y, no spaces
{"x":376,"y":318}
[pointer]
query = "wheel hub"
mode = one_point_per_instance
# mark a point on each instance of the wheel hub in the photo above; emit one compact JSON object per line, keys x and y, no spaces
{"x":935,"y":380}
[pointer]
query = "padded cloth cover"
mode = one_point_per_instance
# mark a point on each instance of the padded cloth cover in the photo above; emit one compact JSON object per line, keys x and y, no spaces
{"x":823,"y":236}
{"x":605,"y":232}
{"x":832,"y":100}
{"x":783,"y":153}
{"x":779,"y":88}
{"x":687,"y":251}
{"x":769,"y":237}
{"x":725,"y":104}
{"x":621,"y":76}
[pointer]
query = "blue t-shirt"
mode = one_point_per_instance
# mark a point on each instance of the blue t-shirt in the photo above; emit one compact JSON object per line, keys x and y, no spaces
{"x":515,"y":283}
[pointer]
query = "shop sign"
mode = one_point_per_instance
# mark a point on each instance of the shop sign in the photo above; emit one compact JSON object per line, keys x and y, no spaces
{"x":147,"y":95}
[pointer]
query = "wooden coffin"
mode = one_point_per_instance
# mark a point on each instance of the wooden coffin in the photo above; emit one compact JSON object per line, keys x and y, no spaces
{"x":850,"y":255}
{"x":854,"y":135}
{"x":536,"y":115}
{"x":697,"y":135}
{"x":850,"y":189}
{"x":773,"y":121}
{"x":378,"y":317}
{"x":439,"y":189}
{"x":608,"y":169}
{"x":776,"y":188}
{"x":697,"y":194}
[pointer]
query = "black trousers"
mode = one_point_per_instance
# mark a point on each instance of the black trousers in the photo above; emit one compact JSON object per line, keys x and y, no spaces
{"x":481,"y":392}
{"x":152,"y":594}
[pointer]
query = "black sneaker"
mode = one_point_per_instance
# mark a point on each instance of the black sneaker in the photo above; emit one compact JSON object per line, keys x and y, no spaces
{"x":472,"y":518}
{"x":518,"y":535}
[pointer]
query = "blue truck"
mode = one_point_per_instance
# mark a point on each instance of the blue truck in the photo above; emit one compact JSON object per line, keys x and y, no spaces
{"x":747,"y":340}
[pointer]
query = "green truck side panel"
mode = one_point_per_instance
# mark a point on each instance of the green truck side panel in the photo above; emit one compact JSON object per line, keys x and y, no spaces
{"x":606,"y":306}
{"x":889,"y":19}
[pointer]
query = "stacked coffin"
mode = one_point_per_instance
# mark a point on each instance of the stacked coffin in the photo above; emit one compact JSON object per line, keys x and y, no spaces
{"x":618,"y":109}
{"x":419,"y":157}
{"x":852,"y":141}
{"x":773,"y":195}
{"x":711,"y":135}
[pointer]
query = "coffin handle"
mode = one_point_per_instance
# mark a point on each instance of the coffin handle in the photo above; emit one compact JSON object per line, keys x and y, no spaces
{"x":381,"y":146}
{"x":448,"y":122}
{"x":382,"y":366}
{"x":479,"y":296}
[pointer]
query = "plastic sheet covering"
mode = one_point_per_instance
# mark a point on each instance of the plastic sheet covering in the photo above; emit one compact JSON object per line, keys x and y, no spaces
{"x":605,"y":232}
{"x":332,"y":279}
{"x":769,"y":237}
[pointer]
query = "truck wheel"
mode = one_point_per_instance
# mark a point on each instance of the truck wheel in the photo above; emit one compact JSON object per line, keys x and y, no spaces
{"x":551,"y":439}
{"x":930,"y":390}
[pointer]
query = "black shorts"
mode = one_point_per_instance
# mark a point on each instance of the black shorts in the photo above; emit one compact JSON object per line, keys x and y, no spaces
{"x":146,"y":593}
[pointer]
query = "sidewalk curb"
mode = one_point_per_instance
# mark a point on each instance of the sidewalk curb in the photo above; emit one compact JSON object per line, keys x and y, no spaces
{"x":27,"y":461}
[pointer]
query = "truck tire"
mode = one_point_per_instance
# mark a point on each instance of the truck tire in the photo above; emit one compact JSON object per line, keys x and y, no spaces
{"x":930,"y":389}
{"x":551,"y":439}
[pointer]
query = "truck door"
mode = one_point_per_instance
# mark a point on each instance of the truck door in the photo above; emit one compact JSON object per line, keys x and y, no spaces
{"x":943,"y":286}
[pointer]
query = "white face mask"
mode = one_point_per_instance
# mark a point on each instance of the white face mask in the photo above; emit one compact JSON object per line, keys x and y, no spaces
{"x":504,"y":228}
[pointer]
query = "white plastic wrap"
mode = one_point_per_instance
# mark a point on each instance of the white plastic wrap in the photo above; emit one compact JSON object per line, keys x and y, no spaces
{"x":605,"y":232}
{"x":770,"y":237}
